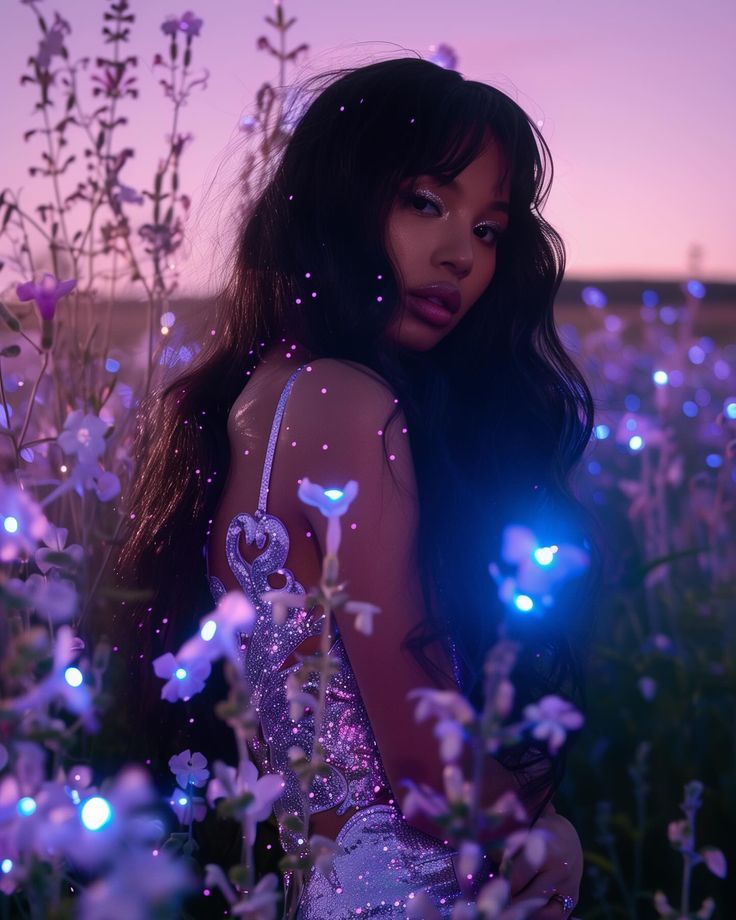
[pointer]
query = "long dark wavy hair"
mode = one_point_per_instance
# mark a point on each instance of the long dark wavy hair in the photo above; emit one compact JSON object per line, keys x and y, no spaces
{"x":498,"y":414}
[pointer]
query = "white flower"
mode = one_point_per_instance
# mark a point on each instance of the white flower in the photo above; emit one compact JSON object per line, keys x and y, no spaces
{"x":234,"y":784}
{"x":183,"y":678}
{"x":423,"y":799}
{"x":364,"y":613}
{"x":83,"y":435}
{"x":220,"y":631}
{"x":281,"y":602}
{"x":189,"y":768}
{"x":22,"y":523}
{"x":553,"y":718}
{"x":493,"y":898}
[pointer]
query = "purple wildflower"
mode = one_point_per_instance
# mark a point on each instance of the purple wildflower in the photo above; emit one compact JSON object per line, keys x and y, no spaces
{"x":188,"y":23}
{"x":189,"y":768}
{"x":254,"y":795}
{"x":22,"y":523}
{"x":553,"y":718}
{"x":47,"y":293}
{"x":83,"y":435}
{"x":443,"y":55}
{"x":53,"y":42}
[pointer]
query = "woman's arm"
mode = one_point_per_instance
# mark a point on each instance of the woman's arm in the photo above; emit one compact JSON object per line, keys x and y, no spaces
{"x":337,"y":437}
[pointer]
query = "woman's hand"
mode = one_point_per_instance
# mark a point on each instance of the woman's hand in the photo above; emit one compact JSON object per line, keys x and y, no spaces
{"x":559,"y":874}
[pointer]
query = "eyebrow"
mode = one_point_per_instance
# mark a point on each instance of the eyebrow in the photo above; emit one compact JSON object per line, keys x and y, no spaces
{"x":493,"y":205}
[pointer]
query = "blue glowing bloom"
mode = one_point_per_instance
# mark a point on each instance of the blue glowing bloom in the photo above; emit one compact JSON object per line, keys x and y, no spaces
{"x":696,"y":289}
{"x":74,"y":677}
{"x":602,"y":432}
{"x":183,"y":678}
{"x":112,"y":366}
{"x":96,"y":813}
{"x":690,"y":408}
{"x":650,"y":298}
{"x":208,"y":630}
{"x":26,"y":806}
{"x":593,"y":297}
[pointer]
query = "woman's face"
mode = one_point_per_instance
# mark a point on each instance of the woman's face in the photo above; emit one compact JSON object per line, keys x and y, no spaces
{"x":446,"y":235}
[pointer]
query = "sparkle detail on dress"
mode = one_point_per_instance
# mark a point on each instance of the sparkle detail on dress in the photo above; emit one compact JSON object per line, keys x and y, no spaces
{"x":385,"y":860}
{"x":356,"y":774}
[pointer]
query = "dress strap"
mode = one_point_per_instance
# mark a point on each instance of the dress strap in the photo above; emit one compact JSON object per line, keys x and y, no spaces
{"x":273,"y":438}
{"x":268,"y":463}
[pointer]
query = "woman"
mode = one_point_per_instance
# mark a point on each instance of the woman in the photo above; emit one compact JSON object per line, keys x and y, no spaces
{"x":389,"y":320}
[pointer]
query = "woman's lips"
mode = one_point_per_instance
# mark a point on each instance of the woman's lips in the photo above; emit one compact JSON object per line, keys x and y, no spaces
{"x":429,"y":311}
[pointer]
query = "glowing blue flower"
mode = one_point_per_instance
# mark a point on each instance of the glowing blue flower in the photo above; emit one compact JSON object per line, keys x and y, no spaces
{"x":184,"y":677}
{"x":220,"y":631}
{"x":333,"y":503}
{"x":55,"y":686}
{"x":187,"y":807}
{"x":22,"y":523}
{"x":540,"y":568}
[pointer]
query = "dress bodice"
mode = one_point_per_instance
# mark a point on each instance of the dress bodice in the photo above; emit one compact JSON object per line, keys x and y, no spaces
{"x":356,"y":777}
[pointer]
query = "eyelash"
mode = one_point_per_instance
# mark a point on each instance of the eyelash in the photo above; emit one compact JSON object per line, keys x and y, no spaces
{"x":430,"y":198}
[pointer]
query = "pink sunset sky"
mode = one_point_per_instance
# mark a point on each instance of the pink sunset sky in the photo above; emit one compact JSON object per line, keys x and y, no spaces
{"x":634,"y":98}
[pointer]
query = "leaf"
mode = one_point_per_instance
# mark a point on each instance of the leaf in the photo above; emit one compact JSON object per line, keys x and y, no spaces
{"x":10,"y":351}
{"x":601,"y":862}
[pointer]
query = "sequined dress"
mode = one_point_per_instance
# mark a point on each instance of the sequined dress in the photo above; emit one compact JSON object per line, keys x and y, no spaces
{"x":385,"y":859}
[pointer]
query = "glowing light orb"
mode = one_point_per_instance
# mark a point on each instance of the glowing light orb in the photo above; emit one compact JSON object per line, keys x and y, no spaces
{"x":696,"y":354}
{"x":11,"y":524}
{"x":183,"y":800}
{"x":660,"y":378}
{"x":112,"y":366}
{"x":26,"y":806}
{"x":730,"y":410}
{"x":650,"y":298}
{"x":74,"y":677}
{"x":180,"y":673}
{"x":714,"y":461}
{"x":6,"y":865}
{"x":334,"y":494}
{"x":602,"y":432}
{"x":636,"y":442}
{"x":96,"y":813}
{"x":690,"y":408}
{"x":544,"y":555}
{"x":524,"y":602}
{"x":208,"y":630}
{"x":696,"y":288}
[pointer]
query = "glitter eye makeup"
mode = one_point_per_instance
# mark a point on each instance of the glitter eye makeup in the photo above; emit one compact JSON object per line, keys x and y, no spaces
{"x":430,"y":197}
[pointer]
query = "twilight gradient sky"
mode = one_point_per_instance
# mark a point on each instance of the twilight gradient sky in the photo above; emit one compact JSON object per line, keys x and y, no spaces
{"x":635,"y":99}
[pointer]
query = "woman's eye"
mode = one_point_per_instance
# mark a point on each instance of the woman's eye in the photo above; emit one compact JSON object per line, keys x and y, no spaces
{"x":423,"y":201}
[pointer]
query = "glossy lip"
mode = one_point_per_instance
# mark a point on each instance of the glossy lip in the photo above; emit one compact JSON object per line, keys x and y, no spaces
{"x":448,"y":294}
